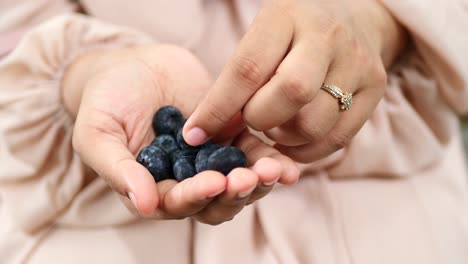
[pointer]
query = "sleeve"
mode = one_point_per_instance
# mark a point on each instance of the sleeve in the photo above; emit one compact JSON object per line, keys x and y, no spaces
{"x":17,"y":17}
{"x":39,"y":172}
{"x":437,"y":28}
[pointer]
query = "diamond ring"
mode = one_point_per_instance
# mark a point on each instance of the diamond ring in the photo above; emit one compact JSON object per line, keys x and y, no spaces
{"x":346,"y":99}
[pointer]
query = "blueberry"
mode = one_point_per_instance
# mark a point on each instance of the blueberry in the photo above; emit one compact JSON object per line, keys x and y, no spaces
{"x":167,"y":120}
{"x":226,"y":159}
{"x":183,"y":168}
{"x":166,"y":143}
{"x":184,"y":145}
{"x":156,"y":161}
{"x":201,"y":161}
{"x":187,"y":154}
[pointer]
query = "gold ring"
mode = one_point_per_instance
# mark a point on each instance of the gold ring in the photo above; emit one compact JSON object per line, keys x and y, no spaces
{"x":346,"y":99}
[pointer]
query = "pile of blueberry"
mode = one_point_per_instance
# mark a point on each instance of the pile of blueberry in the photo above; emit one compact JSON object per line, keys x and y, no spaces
{"x":170,"y":157}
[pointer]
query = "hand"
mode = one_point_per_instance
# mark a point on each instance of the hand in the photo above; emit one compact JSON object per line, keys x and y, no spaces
{"x":123,"y":90}
{"x":275,"y":75}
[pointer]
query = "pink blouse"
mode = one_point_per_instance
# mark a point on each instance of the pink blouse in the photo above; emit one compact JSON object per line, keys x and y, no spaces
{"x":396,"y":194}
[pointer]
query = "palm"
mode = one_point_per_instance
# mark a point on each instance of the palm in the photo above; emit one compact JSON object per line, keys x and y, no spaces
{"x":125,"y":98}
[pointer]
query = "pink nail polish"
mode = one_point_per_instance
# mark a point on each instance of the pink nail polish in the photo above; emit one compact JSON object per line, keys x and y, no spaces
{"x":196,"y":136}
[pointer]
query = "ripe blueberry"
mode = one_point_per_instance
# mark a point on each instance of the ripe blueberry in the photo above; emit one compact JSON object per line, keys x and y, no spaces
{"x":156,"y":161}
{"x":184,"y":145}
{"x":183,"y":168}
{"x":226,"y":159}
{"x":201,"y":161}
{"x":167,"y":120}
{"x":166,"y":143}
{"x":186,"y":154}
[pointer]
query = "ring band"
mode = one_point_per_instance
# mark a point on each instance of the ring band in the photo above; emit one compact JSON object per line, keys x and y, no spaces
{"x":346,"y":99}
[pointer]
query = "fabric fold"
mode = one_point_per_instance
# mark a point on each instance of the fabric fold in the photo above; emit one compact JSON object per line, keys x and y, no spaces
{"x":41,"y":174}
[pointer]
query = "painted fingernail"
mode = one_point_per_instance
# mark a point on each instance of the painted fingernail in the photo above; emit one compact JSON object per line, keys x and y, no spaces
{"x":246,"y":193}
{"x":268,"y":184}
{"x":133,"y":199}
{"x":196,"y":136}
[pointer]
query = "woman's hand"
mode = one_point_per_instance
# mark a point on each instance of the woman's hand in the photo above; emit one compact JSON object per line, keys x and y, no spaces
{"x":115,"y":95}
{"x":276,"y":74}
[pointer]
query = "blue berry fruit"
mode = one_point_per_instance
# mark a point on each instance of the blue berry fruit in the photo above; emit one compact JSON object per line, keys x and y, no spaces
{"x":187,"y":154}
{"x":226,"y":159}
{"x":166,"y":143}
{"x":167,"y":120}
{"x":156,"y":161}
{"x":169,"y":156}
{"x":183,"y":168}
{"x":201,"y":161}
{"x":184,"y":145}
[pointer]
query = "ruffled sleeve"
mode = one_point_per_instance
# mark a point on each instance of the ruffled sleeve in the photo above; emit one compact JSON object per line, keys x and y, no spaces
{"x":437,"y":29}
{"x":39,"y":172}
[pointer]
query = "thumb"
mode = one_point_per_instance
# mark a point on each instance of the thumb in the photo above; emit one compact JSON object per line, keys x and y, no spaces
{"x":108,"y":155}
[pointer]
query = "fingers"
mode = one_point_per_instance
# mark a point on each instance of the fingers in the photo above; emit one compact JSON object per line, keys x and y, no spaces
{"x":255,"y":149}
{"x":245,"y":186}
{"x":269,"y":171}
{"x":311,"y":124}
{"x":322,"y":137}
{"x":295,"y":84}
{"x":191,"y":195}
{"x":344,"y":130}
{"x":252,"y":65}
{"x":110,"y":158}
{"x":240,"y":184}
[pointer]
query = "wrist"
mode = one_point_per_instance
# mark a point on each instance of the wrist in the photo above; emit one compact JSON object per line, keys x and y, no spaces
{"x":394,"y":36}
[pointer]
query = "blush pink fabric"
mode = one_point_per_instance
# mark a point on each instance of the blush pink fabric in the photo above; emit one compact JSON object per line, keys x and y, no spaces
{"x":396,"y":194}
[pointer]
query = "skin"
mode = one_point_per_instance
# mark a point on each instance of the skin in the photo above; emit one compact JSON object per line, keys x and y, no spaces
{"x":272,"y":83}
{"x":275,"y":75}
{"x":114,"y":95}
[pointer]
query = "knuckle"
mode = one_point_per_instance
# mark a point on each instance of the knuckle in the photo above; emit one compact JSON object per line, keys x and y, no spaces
{"x":362,"y":55}
{"x":331,"y":29}
{"x":248,"y":72}
{"x":338,"y":141}
{"x":217,"y":114}
{"x":311,"y":130}
{"x":295,"y":90}
{"x":285,"y":5}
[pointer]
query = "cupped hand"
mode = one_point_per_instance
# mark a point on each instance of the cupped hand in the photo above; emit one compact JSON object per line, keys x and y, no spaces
{"x":275,"y":76}
{"x":114,"y":112}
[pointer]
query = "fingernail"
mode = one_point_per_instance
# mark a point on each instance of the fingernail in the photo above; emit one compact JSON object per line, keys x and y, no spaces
{"x":215,"y":194}
{"x":268,"y":184}
{"x":246,"y":193}
{"x":196,"y":136}
{"x":133,"y":199}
